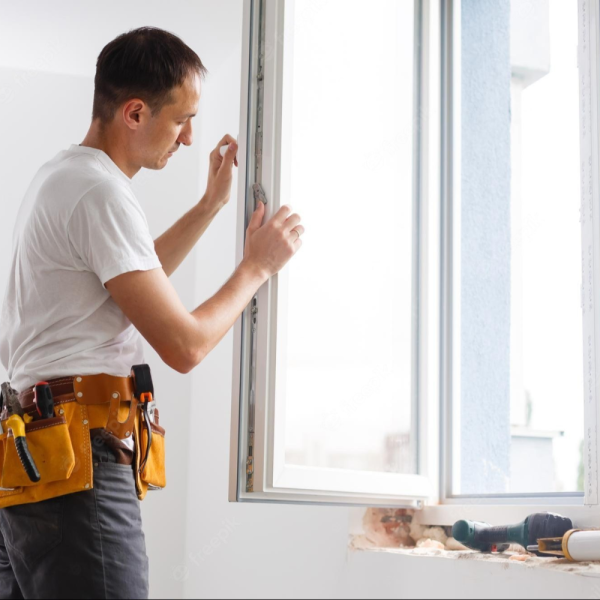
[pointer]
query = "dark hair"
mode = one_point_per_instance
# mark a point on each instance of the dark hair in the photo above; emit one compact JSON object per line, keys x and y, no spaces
{"x":146,"y":63}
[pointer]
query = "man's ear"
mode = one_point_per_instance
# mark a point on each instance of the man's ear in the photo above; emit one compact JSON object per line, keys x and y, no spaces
{"x":134,"y":112}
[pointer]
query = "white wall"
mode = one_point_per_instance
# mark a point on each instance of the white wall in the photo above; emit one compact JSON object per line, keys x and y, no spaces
{"x":199,"y":544}
{"x":47,"y":63}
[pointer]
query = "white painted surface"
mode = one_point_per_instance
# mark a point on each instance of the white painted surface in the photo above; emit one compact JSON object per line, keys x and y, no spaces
{"x":199,"y":545}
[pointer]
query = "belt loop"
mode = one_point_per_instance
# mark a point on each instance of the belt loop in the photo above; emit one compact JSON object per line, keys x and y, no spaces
{"x":121,"y":429}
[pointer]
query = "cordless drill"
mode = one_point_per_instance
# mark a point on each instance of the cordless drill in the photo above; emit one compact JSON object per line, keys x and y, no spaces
{"x":485,"y":538}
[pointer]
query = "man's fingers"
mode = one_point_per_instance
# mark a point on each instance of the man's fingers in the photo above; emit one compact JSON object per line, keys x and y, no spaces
{"x":224,"y":150}
{"x":225,"y":140}
{"x":257,"y":216}
{"x":291,"y":222}
{"x":229,"y":156}
{"x":282,"y":214}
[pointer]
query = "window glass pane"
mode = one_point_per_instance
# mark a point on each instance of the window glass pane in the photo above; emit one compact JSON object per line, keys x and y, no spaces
{"x":521,"y":369}
{"x":347,"y":141}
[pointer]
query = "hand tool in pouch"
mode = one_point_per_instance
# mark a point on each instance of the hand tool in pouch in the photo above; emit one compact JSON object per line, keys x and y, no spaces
{"x":144,"y":392}
{"x":44,"y":403}
{"x":3,"y":410}
{"x":16,"y":424}
{"x":484,"y":538}
{"x":10,"y":402}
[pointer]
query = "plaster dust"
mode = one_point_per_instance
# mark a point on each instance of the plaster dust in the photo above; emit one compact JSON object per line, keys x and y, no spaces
{"x":361,"y":543}
{"x":395,"y":531}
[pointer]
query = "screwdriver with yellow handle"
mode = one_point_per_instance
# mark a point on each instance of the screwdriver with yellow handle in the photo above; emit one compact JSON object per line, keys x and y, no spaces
{"x":16,"y":424}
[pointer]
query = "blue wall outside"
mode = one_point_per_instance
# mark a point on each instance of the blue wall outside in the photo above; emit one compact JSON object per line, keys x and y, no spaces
{"x":485,"y":262}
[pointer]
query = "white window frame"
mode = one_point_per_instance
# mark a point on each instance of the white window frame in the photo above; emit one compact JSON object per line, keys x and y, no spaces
{"x":436,"y":184}
{"x":497,"y":509}
{"x":273,"y":479}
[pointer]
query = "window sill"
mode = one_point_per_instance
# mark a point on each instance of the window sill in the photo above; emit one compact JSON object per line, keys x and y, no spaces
{"x":360,"y":543}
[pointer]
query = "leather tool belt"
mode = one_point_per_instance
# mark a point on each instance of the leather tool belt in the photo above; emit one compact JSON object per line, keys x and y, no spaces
{"x":87,"y":409}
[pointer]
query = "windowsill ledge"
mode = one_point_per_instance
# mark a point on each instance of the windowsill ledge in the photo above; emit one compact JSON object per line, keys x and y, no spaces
{"x":361,"y":543}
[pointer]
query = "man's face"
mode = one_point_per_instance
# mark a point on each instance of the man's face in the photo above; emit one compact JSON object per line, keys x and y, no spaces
{"x":172,"y":126}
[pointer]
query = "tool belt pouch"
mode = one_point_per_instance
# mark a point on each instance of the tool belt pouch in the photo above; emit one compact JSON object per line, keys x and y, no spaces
{"x":152,"y":476}
{"x":61,"y":446}
{"x":51,"y":448}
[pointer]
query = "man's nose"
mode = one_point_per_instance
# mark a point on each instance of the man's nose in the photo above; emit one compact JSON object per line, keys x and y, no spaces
{"x":186,"y":136}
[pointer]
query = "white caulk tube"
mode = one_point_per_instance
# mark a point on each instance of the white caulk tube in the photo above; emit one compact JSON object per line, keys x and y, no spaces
{"x":582,"y":546}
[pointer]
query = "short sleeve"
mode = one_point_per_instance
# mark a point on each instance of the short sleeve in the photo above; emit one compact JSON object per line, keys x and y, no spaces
{"x":109,"y":233}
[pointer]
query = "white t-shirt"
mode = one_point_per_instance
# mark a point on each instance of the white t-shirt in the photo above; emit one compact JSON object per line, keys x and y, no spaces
{"x":79,"y":226}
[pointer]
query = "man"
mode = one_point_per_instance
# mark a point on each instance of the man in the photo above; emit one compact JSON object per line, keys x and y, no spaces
{"x":82,"y":259}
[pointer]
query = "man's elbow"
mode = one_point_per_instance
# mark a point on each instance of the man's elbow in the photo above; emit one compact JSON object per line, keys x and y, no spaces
{"x":184,"y":361}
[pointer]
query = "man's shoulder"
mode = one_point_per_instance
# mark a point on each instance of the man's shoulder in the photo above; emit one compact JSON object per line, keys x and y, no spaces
{"x":82,"y":173}
{"x":107,"y":198}
{"x":73,"y":181}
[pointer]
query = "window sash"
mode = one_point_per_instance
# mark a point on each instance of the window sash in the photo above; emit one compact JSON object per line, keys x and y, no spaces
{"x":273,"y":479}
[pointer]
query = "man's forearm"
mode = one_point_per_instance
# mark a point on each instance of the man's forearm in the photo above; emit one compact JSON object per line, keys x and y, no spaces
{"x":218,"y":314}
{"x":177,"y":242}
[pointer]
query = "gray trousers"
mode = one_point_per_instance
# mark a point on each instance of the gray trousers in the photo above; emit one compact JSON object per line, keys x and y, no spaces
{"x":88,"y":544}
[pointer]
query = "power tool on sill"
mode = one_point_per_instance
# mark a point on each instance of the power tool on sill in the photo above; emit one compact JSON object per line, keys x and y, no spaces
{"x":485,"y":538}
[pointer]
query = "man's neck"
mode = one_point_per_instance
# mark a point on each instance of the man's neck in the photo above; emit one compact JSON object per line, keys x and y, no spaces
{"x":108,"y":143}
